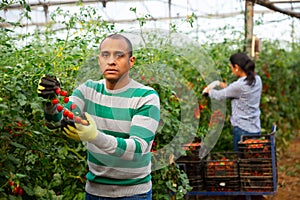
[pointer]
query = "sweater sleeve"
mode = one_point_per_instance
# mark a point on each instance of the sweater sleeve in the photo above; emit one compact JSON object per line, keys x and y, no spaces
{"x":233,"y":90}
{"x":52,"y":116}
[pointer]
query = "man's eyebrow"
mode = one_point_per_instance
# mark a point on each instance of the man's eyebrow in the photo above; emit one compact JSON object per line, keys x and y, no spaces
{"x":106,"y":51}
{"x":123,"y":52}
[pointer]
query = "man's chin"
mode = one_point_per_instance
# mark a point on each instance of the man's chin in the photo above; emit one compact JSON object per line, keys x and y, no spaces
{"x":112,"y":80}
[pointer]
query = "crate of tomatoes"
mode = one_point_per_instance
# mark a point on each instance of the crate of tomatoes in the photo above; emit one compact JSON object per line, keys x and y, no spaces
{"x":257,"y":163}
{"x":192,"y":165}
{"x":221,"y":171}
{"x":221,"y":165}
{"x":256,"y":146}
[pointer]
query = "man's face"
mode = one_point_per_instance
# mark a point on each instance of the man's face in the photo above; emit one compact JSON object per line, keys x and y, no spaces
{"x":115,"y":62}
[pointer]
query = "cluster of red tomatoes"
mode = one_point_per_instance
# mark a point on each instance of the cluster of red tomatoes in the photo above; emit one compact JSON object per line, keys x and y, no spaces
{"x":256,"y":148}
{"x":15,"y":188}
{"x":222,"y":167}
{"x":67,"y":113}
{"x":255,"y":143}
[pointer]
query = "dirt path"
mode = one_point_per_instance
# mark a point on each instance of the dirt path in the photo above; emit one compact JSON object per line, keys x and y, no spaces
{"x":289,"y":174}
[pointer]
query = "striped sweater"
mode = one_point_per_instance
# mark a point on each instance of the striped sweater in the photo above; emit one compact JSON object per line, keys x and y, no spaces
{"x":119,"y":159}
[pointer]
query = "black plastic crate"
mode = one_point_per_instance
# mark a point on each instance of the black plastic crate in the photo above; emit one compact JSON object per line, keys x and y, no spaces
{"x":256,"y":146}
{"x":221,"y":165}
{"x":194,"y":171}
{"x":222,"y":184}
{"x":192,"y":165}
{"x":256,"y":168}
{"x":192,"y":152}
{"x":257,"y":184}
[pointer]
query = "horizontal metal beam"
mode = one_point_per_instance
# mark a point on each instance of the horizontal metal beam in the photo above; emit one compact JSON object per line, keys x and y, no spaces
{"x":66,"y":2}
{"x":122,"y":21}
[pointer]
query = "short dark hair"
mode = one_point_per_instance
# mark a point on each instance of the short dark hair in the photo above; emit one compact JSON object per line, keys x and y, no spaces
{"x":246,"y":64}
{"x":118,"y":37}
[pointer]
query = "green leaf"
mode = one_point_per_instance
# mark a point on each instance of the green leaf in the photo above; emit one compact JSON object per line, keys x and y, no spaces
{"x":13,"y":159}
{"x":28,"y":190}
{"x":3,"y":106}
{"x":37,"y":132}
{"x":17,"y":145}
{"x":20,"y":175}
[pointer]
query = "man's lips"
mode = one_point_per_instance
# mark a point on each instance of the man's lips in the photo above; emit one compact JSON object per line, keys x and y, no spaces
{"x":111,"y":70}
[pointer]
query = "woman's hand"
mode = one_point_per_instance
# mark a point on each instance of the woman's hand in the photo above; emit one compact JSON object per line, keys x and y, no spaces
{"x":205,"y":92}
{"x":222,"y":85}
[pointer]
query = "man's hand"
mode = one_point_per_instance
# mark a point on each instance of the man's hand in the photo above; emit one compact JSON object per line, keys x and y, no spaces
{"x":64,"y":123}
{"x":47,"y":86}
{"x":78,"y":131}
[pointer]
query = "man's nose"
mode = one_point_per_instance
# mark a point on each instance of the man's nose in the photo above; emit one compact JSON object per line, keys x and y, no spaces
{"x":111,"y":59}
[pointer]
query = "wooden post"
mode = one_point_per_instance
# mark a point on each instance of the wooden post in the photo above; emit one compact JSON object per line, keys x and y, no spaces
{"x":248,"y":27}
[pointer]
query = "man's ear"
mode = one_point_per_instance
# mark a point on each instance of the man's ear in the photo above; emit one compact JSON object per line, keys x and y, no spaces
{"x":131,"y":60}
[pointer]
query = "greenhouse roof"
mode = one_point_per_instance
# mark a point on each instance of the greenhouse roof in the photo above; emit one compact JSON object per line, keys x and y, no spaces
{"x":210,"y":15}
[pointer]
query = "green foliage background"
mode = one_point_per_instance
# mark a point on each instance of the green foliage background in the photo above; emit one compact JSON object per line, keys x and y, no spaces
{"x":49,"y":166}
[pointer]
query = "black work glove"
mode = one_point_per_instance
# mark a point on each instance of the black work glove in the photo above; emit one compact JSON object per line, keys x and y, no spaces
{"x":47,"y":87}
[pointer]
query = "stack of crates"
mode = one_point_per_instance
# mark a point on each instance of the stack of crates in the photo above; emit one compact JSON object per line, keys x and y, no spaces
{"x":221,"y":172}
{"x":192,"y":165}
{"x":256,"y":163}
{"x":251,"y":170}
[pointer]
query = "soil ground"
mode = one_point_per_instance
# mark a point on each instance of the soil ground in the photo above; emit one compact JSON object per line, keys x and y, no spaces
{"x":289,"y":173}
{"x":288,"y":188}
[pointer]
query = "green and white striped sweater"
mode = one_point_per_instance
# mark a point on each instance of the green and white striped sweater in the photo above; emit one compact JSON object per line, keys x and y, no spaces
{"x":119,"y":158}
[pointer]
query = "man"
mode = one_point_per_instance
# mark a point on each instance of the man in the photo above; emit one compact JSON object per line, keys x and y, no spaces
{"x":123,"y":116}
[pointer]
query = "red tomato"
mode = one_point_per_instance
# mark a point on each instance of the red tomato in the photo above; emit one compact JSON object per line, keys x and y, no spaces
{"x":71,"y":115}
{"x":57,"y":90}
{"x":66,"y":99}
{"x":55,"y":101}
{"x":11,"y":183}
{"x":77,"y":119}
{"x":16,"y":190}
{"x":59,"y":108}
{"x":66,"y":113}
{"x":64,"y":93}
{"x":73,"y":106}
{"x":20,"y":191}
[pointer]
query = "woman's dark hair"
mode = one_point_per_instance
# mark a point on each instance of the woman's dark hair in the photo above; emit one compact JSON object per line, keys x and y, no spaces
{"x":246,"y":64}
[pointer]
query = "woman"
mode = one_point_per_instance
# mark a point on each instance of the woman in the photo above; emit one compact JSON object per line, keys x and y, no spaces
{"x":245,"y":94}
